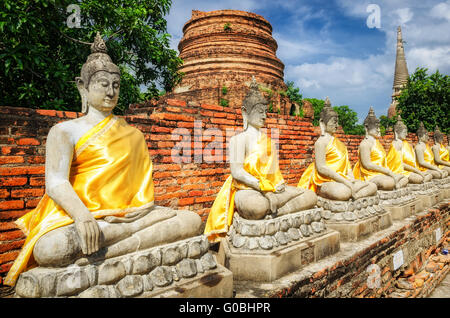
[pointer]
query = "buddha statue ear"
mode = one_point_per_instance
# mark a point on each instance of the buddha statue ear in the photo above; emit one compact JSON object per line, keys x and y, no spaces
{"x":244,"y":117}
{"x":83,"y":93}
{"x":322,"y":127}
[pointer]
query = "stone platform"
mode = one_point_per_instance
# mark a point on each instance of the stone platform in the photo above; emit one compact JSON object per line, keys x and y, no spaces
{"x":181,"y":269}
{"x":427,"y":193}
{"x":402,"y":203}
{"x":264,"y":250}
{"x":444,"y":186}
{"x":357,"y":219}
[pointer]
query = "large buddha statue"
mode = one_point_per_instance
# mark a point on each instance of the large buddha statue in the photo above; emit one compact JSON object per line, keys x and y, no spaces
{"x":440,"y":152}
{"x":401,"y":158}
{"x":99,"y":200}
{"x":372,"y":164}
{"x":424,"y":155}
{"x":256,"y":188}
{"x":331,"y":175}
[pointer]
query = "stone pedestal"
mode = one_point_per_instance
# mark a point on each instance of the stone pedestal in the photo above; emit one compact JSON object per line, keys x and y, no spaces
{"x":265,"y":250}
{"x":355,"y":220}
{"x":427,"y":194}
{"x":444,"y":187}
{"x":402,"y":203}
{"x":181,"y":269}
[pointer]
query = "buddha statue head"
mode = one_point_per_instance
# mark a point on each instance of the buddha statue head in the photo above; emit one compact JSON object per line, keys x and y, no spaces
{"x":99,"y":83}
{"x":438,"y":136}
{"x":372,"y":124}
{"x":422,"y":133}
{"x":328,"y":118}
{"x":400,"y":129}
{"x":254,"y":107}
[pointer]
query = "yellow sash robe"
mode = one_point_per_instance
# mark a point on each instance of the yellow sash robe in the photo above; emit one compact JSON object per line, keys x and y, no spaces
{"x":428,"y":157}
{"x":336,"y":158}
{"x":395,"y":161}
{"x":260,"y":163}
{"x":111,"y":173}
{"x":377,"y":156}
{"x":443,"y":154}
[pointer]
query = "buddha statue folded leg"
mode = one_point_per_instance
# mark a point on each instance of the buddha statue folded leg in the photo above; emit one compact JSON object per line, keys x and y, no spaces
{"x":61,"y":247}
{"x":253,"y":205}
{"x":340,"y":192}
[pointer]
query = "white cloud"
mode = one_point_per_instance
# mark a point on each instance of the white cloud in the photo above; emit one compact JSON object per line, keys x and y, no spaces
{"x":441,"y":10}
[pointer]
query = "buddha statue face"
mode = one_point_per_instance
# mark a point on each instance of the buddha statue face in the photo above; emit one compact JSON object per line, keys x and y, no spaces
{"x":438,"y":136}
{"x":372,"y":124}
{"x":100,"y":79}
{"x":400,"y":130}
{"x":103,"y":91}
{"x":331,"y":125}
{"x":257,"y":116}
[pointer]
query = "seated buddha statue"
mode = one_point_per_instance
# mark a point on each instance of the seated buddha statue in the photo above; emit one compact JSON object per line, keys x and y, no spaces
{"x":372,"y":164}
{"x":425,"y":156}
{"x":440,"y":152}
{"x":401,"y":158}
{"x":99,"y":200}
{"x":256,"y":188}
{"x":331,"y":175}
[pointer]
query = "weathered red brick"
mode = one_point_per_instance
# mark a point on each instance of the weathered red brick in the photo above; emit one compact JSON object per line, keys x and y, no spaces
{"x":25,"y":193}
{"x":10,"y":159}
{"x":9,"y":256}
{"x":28,"y":141}
{"x":11,"y":205}
{"x":11,"y":171}
{"x":46,"y":112}
{"x":13,"y":181}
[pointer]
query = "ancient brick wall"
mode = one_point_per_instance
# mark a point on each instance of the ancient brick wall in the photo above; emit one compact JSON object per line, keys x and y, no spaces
{"x":199,"y":131}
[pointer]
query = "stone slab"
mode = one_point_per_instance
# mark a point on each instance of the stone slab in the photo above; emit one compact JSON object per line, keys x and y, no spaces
{"x":429,"y":200}
{"x":217,"y":283}
{"x":354,"y":231}
{"x":401,"y":211}
{"x":266,"y":266}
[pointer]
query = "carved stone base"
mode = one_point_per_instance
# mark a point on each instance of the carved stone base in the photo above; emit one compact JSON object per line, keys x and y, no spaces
{"x":444,"y":186}
{"x":355,"y":220}
{"x":264,"y":250}
{"x":185,"y":267}
{"x":353,"y":231}
{"x":396,"y":197}
{"x":427,"y":193}
{"x":401,"y":211}
{"x":269,"y":265}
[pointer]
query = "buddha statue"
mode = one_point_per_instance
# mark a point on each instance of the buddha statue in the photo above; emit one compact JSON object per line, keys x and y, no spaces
{"x":372,"y":164}
{"x":256,"y":188}
{"x":425,"y":156}
{"x":99,"y":200}
{"x":331,"y":175}
{"x":440,"y":152}
{"x":401,"y":158}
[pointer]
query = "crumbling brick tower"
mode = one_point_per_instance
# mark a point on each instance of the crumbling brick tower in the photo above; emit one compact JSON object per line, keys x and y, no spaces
{"x":221,"y":51}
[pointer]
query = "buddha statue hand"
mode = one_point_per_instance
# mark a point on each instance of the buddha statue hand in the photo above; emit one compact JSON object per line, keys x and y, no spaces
{"x":273,"y":201}
{"x":280,"y":188}
{"x":129,"y":217}
{"x":88,"y":232}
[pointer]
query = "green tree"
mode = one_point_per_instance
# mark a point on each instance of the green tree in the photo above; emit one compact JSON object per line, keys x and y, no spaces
{"x":348,"y":119}
{"x":294,"y":96}
{"x":426,"y":98}
{"x":317,"y":106}
{"x":41,"y":55}
{"x":386,"y":122}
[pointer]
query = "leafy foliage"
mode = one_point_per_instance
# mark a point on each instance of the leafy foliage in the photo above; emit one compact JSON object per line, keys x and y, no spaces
{"x":317,"y":106}
{"x":348,"y":119}
{"x":295,"y":96}
{"x":426,"y":98}
{"x":386,"y":122}
{"x":41,"y":55}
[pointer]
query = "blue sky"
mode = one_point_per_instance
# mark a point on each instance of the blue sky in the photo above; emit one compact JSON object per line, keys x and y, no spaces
{"x":328,"y":49}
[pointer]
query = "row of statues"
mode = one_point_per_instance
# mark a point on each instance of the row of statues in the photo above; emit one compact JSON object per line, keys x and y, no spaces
{"x":99,"y":201}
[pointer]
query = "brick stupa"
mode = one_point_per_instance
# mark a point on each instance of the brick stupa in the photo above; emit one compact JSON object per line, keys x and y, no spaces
{"x":221,"y":51}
